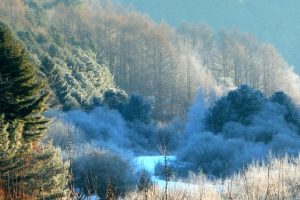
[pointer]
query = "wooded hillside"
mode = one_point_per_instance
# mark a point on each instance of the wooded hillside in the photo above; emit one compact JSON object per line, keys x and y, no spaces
{"x":90,"y":46}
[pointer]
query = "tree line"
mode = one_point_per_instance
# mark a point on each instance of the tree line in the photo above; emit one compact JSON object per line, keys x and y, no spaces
{"x":166,"y":65}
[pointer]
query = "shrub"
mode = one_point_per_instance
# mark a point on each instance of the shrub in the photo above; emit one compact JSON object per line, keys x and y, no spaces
{"x":237,"y":106}
{"x":101,"y":172}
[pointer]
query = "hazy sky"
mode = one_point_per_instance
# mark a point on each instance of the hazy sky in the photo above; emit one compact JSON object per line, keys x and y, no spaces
{"x":273,"y":21}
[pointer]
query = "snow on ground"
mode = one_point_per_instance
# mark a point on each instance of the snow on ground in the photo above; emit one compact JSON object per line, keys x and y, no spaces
{"x":148,"y":162}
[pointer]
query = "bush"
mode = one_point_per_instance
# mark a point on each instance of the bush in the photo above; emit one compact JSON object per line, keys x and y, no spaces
{"x":114,"y":98}
{"x":102,"y":172}
{"x":136,"y":109}
{"x":210,"y":153}
{"x":237,"y":106}
{"x":291,"y":115}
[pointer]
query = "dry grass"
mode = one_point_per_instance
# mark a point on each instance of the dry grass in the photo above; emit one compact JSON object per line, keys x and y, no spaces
{"x":279,"y":178}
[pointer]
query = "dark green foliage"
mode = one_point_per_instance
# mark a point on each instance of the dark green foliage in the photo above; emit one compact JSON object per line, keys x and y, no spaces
{"x":42,"y":38}
{"x":216,"y":115}
{"x":55,"y":81}
{"x":54,"y":50}
{"x":24,"y":94}
{"x":237,"y":106}
{"x":50,"y":5}
{"x":4,"y":25}
{"x":114,"y":98}
{"x":137,"y":108}
{"x":245,"y":101}
{"x":264,"y":137}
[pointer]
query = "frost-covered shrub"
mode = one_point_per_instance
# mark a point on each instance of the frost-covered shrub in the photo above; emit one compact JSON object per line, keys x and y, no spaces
{"x":58,"y":133}
{"x":210,"y":153}
{"x":167,"y":136}
{"x":196,"y":114}
{"x":101,"y":124}
{"x":287,"y":143}
{"x":291,"y":115}
{"x":102,"y":128}
{"x":98,"y":171}
{"x":141,"y":137}
{"x":237,"y":106}
{"x":242,"y":131}
{"x":87,"y":131}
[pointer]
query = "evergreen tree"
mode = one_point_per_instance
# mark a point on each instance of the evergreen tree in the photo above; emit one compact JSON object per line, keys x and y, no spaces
{"x":237,"y":106}
{"x":55,"y":81}
{"x":137,"y":108}
{"x":46,"y":173}
{"x":25,"y":96}
{"x":22,"y":103}
{"x":114,"y":98}
{"x":10,"y":146}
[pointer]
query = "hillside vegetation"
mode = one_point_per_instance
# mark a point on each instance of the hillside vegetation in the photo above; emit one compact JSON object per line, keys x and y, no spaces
{"x":274,"y":22}
{"x":86,"y":86}
{"x":85,"y":44}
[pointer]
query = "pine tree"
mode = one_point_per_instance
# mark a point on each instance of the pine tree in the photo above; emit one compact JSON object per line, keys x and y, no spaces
{"x":24,"y":97}
{"x":22,"y":103}
{"x":46,"y":174}
{"x":55,"y":81}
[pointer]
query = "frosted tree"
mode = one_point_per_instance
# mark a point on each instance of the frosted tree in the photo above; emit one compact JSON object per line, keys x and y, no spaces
{"x":236,"y":106}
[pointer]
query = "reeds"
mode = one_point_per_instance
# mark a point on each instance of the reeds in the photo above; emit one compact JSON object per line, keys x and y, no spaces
{"x":277,"y":178}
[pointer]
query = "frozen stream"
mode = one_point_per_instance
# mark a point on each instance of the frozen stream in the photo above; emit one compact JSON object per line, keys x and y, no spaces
{"x":149,"y":162}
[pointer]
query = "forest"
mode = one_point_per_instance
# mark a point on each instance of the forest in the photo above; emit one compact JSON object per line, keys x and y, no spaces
{"x":88,"y":86}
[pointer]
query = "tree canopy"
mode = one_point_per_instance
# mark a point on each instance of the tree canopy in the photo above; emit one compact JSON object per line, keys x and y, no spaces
{"x":24,"y":94}
{"x":236,"y":106}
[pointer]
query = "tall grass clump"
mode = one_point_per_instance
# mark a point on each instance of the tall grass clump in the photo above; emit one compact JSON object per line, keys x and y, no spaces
{"x":275,"y":178}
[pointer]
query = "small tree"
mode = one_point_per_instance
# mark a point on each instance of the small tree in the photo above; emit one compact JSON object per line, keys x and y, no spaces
{"x":46,"y":172}
{"x":237,"y":106}
{"x":137,"y":108}
{"x":54,"y":80}
{"x":115,"y":98}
